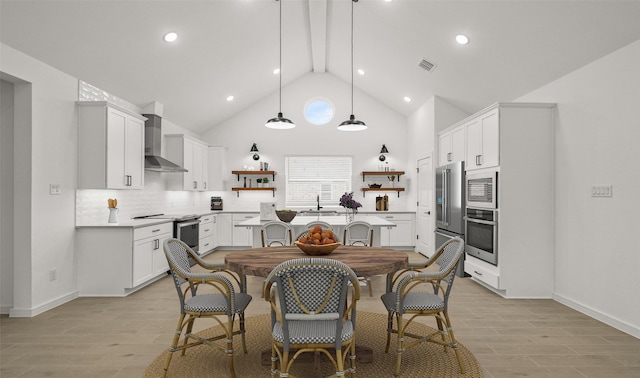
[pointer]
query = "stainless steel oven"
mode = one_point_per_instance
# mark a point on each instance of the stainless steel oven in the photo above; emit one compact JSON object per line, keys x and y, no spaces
{"x":188,"y":231}
{"x":481,"y":234}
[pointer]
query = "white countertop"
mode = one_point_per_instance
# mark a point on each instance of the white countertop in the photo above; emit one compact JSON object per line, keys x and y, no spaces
{"x":339,"y":220}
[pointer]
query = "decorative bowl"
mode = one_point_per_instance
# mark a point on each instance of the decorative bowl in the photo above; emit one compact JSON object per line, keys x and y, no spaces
{"x":286,"y":216}
{"x":317,"y":250}
{"x":375,"y":185}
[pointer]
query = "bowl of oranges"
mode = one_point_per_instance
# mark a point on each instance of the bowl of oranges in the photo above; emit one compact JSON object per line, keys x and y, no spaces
{"x":317,"y":242}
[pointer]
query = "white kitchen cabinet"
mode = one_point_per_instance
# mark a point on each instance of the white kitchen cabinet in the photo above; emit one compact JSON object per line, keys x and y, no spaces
{"x":483,"y":141}
{"x":451,"y":145}
{"x":524,"y":197}
{"x":402,"y":235}
{"x":224,"y":230}
{"x":217,"y":167}
{"x":242,"y":236}
{"x":206,"y":234}
{"x":116,"y":261}
{"x":110,"y":147}
{"x":191,"y":154}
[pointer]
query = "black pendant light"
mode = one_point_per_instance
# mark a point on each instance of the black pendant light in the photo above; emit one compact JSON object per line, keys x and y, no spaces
{"x":352,"y":124}
{"x":280,"y":122}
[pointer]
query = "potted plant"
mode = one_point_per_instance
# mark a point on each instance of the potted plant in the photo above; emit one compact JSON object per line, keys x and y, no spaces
{"x":265,"y":181}
{"x":259,"y":181}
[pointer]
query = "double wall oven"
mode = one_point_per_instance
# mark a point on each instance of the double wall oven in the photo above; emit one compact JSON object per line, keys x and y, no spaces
{"x":481,"y":216}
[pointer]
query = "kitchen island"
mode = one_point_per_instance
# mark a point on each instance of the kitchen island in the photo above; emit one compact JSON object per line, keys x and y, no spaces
{"x":337,"y":222}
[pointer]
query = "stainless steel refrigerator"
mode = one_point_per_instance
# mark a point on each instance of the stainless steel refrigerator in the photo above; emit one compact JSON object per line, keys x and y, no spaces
{"x":450,"y":206}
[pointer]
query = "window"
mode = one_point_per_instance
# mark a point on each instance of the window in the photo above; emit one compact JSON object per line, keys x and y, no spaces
{"x":318,"y":111}
{"x":306,"y":177}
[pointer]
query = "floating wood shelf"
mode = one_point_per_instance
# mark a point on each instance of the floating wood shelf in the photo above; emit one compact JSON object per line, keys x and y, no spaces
{"x":365,"y":190}
{"x":239,"y":173}
{"x":238,"y":190}
{"x":383,"y":173}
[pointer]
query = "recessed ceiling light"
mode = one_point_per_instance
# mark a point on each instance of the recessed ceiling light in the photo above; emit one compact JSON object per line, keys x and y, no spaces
{"x":462,"y":39}
{"x":230,"y":98}
{"x":276,"y":71}
{"x":360,"y":71}
{"x":170,"y":37}
{"x":407,"y":99}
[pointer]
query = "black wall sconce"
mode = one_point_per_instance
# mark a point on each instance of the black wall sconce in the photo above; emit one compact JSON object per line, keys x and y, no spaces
{"x":383,"y":151}
{"x":254,"y":149}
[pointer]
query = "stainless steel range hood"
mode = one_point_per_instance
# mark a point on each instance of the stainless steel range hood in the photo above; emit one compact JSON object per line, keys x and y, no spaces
{"x":153,"y":147}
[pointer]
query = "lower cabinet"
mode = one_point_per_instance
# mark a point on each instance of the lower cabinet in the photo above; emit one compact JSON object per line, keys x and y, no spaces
{"x":116,"y":261}
{"x":242,"y":236}
{"x":206,"y":233}
{"x":402,"y":235}
{"x":228,"y":235}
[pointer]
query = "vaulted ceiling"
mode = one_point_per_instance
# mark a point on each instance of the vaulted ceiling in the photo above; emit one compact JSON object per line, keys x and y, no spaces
{"x":230,"y":47}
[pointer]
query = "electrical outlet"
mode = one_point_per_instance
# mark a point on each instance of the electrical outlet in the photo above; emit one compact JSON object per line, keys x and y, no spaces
{"x":54,"y":189}
{"x":602,"y":191}
{"x":53,"y":274}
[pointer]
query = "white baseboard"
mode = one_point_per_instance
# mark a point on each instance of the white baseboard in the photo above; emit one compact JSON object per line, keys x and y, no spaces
{"x":598,"y":315}
{"x":31,"y":312}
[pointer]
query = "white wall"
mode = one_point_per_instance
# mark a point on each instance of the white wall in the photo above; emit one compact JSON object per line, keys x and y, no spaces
{"x":597,"y":249}
{"x":6,"y":195}
{"x":45,"y":223}
{"x":247,"y":127}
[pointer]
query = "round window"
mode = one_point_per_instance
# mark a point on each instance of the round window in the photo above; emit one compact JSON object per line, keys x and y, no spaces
{"x":319,"y":111}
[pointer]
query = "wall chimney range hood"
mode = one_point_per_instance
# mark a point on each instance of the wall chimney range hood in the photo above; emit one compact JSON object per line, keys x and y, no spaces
{"x":153,"y":147}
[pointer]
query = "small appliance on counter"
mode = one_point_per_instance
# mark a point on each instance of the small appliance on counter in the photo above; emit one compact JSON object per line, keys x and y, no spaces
{"x":216,"y":203}
{"x":382,"y":203}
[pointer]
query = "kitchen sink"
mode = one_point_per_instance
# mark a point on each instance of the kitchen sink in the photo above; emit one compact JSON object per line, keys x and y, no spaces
{"x":319,"y":213}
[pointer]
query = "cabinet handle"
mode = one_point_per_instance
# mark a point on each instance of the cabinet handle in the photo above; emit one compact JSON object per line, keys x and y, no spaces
{"x":156,"y":244}
{"x":205,"y":185}
{"x":206,"y":245}
{"x":478,"y":159}
{"x":207,"y":230}
{"x":478,"y":273}
{"x":156,"y":230}
{"x":449,"y":156}
{"x":195,"y":185}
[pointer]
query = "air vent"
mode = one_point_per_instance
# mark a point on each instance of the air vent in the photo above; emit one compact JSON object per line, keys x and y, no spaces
{"x":426,"y":65}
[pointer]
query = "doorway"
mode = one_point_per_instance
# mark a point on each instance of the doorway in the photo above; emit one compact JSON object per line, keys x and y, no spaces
{"x":424,"y":220}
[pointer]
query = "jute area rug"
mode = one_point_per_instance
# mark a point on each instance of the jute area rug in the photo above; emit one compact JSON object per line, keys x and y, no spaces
{"x":424,"y":361}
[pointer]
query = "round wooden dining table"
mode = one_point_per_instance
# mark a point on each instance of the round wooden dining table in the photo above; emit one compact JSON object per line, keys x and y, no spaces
{"x":365,"y":261}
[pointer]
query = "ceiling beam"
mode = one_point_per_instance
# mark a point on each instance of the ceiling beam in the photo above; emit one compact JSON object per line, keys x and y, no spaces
{"x":318,"y":26}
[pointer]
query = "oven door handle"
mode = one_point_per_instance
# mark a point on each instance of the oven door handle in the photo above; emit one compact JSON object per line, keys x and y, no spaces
{"x":473,"y":220}
{"x":185,"y":224}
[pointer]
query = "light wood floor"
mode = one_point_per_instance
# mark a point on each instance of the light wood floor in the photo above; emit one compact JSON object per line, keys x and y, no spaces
{"x":119,"y":337}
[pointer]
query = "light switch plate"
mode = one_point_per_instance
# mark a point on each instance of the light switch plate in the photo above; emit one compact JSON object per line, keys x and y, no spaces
{"x":602,"y":191}
{"x":54,"y":189}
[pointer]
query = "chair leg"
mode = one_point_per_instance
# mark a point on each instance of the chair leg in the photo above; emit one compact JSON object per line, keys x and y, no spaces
{"x":284,"y":364}
{"x":187,"y":332}
{"x":352,"y":358}
{"x":339,"y":363}
{"x":230,"y":345}
{"x":274,"y":360}
{"x":174,"y":344}
{"x":369,"y":285}
{"x":400,"y":348}
{"x":454,"y":342}
{"x":242,"y":332}
{"x":389,"y":330}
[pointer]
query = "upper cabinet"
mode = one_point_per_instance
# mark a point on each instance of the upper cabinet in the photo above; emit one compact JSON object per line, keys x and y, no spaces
{"x":110,"y":147}
{"x":451,"y":145}
{"x":193,"y":155}
{"x":483,"y":141}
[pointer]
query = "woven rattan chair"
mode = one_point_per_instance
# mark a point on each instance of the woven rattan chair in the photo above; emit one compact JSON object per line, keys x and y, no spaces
{"x":311,"y":312}
{"x":424,"y":294}
{"x":205,"y":295}
{"x":275,"y":233}
{"x":359,"y":233}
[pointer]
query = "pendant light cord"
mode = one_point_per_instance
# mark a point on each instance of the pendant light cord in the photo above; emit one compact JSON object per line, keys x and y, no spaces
{"x":352,"y":1}
{"x":280,"y":63}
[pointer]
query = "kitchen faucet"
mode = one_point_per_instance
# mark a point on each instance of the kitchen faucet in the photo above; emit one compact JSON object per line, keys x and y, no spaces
{"x":318,"y":199}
